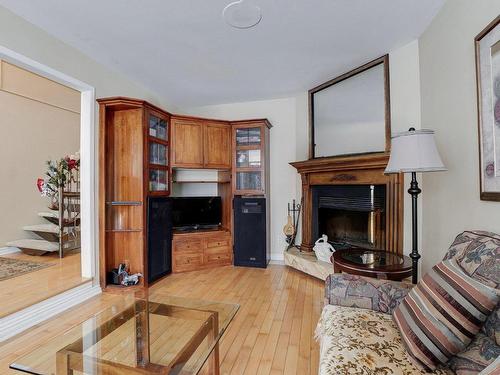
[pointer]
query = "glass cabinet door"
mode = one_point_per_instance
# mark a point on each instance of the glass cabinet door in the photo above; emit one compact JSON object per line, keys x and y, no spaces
{"x":158,"y":149}
{"x":158,"y":127}
{"x":248,"y":137}
{"x":248,"y":160}
{"x":249,"y":181}
{"x":158,"y":153}
{"x":158,"y":180}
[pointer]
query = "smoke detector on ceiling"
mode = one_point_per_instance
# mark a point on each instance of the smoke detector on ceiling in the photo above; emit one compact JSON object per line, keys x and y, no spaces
{"x":242,"y":14}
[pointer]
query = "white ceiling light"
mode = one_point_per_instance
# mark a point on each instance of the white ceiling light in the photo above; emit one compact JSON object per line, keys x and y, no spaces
{"x":242,"y":15}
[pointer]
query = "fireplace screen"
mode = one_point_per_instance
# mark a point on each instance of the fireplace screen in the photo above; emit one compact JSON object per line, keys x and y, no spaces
{"x":350,"y":215}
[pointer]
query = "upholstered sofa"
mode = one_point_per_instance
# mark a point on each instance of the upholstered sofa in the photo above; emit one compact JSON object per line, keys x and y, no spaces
{"x":357,"y":333}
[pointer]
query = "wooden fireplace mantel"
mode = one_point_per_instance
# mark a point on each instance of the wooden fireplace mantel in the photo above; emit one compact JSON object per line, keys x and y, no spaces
{"x":363,"y":169}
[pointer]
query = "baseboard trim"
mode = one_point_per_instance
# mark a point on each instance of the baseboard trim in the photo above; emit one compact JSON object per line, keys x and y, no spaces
{"x":9,"y":250}
{"x":18,"y":322}
{"x":278,"y":262}
{"x":278,"y":257}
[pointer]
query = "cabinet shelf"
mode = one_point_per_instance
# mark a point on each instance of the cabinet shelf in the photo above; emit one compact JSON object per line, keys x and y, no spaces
{"x":158,"y":140}
{"x":123,"y":230}
{"x":249,"y":147}
{"x":124,"y":203}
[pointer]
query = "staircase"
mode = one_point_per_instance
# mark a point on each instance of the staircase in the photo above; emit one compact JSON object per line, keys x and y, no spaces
{"x":59,"y":234}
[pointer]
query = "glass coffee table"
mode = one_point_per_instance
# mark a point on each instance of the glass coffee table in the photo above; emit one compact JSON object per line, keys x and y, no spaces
{"x":373,"y":263}
{"x":156,"y":334}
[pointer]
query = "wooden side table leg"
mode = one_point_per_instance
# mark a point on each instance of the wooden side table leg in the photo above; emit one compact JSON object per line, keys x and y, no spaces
{"x":214,"y":364}
{"x":62,"y":364}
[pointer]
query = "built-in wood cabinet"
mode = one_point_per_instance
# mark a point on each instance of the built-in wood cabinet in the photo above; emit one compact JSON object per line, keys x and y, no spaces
{"x":201,"y":143}
{"x":133,"y":165}
{"x":201,"y":249}
{"x":141,"y":147}
{"x":217,"y":145}
{"x":187,"y":136}
{"x":250,"y":157}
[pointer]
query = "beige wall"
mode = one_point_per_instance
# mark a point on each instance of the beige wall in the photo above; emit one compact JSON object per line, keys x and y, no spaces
{"x":24,"y":38}
{"x":451,"y":201}
{"x":39,"y":120}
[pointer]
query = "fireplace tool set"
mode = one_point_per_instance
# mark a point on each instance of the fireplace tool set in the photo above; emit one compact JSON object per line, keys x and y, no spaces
{"x":290,"y":228}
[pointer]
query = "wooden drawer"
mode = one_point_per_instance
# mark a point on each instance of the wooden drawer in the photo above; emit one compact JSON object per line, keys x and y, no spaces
{"x":187,"y":261}
{"x":211,"y":258}
{"x":197,"y":251}
{"x":218,"y":250}
{"x":219,"y":242}
{"x":195,"y":246}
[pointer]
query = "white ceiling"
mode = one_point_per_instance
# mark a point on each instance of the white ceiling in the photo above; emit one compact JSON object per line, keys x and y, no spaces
{"x":184,"y":51}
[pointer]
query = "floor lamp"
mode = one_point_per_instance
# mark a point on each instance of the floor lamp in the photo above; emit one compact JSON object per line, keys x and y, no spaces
{"x":413,"y":152}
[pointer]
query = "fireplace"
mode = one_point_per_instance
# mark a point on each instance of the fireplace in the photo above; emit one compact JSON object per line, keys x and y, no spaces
{"x":350,"y":199}
{"x":350,"y":215}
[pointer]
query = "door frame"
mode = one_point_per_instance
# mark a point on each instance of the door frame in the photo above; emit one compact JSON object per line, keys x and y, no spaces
{"x":88,"y":156}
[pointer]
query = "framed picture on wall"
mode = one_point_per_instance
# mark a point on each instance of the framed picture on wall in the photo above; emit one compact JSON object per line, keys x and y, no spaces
{"x":488,"y":100}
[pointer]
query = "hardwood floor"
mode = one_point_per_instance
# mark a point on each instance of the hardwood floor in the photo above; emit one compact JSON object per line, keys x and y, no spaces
{"x":25,"y":290}
{"x":271,"y":334}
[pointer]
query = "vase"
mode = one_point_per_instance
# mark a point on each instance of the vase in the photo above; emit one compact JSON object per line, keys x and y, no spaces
{"x":54,"y":203}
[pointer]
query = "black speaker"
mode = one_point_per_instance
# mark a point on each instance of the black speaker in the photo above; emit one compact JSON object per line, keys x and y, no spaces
{"x":159,"y":237}
{"x":250,"y":237}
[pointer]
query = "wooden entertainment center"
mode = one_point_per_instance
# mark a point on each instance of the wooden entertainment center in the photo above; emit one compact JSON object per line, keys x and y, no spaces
{"x":142,"y":147}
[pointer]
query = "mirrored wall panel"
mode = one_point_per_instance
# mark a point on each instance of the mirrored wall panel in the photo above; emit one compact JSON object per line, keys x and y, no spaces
{"x":350,"y":114}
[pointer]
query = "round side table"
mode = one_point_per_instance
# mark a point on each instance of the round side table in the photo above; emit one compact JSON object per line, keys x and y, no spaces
{"x":372,"y":263}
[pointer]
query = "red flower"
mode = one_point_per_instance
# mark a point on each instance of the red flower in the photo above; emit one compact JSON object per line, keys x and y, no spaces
{"x":39,"y":184}
{"x":71,"y":164}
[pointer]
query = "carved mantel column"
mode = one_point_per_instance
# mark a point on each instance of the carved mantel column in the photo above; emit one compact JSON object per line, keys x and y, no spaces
{"x":307,"y":240}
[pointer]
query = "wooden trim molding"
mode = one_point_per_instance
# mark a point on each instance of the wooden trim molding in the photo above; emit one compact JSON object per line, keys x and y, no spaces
{"x":384,"y":60}
{"x":353,"y":170}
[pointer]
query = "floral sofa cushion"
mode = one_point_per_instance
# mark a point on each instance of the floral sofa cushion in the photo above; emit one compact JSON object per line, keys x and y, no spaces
{"x":361,"y":341}
{"x":478,"y":355}
{"x":478,"y":253}
{"x":364,"y":292}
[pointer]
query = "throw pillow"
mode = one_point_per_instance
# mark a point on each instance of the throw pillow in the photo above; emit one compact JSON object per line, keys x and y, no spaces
{"x":442,"y":313}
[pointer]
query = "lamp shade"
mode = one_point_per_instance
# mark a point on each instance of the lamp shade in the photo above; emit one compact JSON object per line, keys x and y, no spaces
{"x":414,"y":151}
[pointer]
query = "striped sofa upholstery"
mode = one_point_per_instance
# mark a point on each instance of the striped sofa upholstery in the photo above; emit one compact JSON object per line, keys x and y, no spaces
{"x":443,"y":313}
{"x":347,"y":297}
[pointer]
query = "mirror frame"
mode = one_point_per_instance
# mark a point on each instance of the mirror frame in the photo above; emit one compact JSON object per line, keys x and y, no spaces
{"x":384,"y":60}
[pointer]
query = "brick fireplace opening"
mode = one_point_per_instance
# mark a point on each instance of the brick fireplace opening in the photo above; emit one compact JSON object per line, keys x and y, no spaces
{"x":350,"y":199}
{"x":350,"y":215}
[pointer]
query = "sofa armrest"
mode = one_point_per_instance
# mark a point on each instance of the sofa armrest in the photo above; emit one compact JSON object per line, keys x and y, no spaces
{"x":364,"y":292}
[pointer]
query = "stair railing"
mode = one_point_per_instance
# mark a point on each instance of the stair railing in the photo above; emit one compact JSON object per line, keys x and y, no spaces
{"x":69,"y":213}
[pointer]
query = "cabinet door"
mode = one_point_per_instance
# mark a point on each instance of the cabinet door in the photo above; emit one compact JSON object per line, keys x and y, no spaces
{"x":248,"y":159}
{"x":187,"y":143}
{"x":217,"y":145}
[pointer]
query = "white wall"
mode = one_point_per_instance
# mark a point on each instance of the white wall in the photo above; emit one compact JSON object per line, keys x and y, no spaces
{"x":27,"y":39}
{"x":281,"y":113}
{"x":290,"y":135}
{"x":447,"y":71}
{"x":405,"y":112}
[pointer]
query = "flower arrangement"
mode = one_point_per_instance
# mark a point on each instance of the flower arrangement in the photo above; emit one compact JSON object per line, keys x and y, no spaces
{"x":58,"y":174}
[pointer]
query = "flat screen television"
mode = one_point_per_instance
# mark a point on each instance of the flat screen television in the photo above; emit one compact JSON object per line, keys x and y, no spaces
{"x":196,"y":212}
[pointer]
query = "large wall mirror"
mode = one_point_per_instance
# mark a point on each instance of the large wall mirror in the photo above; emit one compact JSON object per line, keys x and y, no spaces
{"x":350,"y":114}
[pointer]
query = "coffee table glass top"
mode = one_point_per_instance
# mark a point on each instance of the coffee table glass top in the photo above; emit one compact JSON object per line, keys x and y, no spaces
{"x":175,"y":336}
{"x":372,"y":258}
